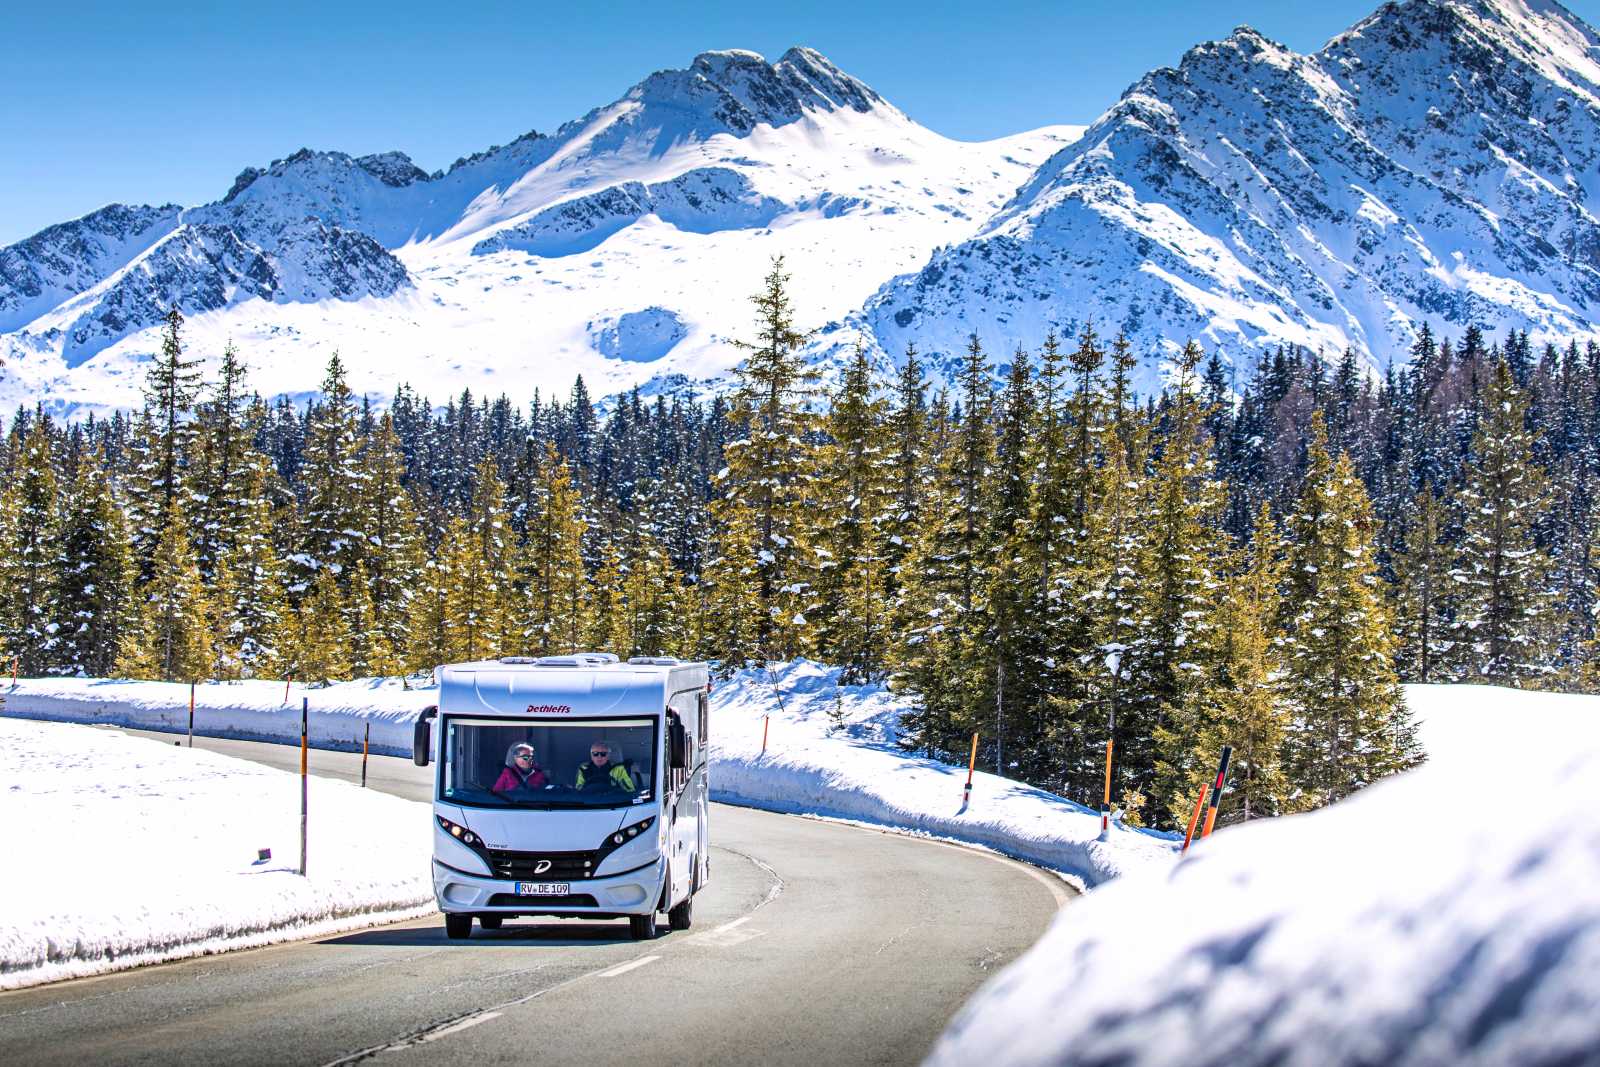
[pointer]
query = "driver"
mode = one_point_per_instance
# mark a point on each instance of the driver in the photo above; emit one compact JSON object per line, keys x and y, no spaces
{"x":520,"y":771}
{"x":600,"y":773}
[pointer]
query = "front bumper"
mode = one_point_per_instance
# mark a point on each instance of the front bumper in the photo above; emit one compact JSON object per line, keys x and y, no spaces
{"x":633,"y":893}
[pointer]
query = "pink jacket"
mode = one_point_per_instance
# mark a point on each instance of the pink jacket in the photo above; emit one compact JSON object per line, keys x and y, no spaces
{"x":510,"y":779}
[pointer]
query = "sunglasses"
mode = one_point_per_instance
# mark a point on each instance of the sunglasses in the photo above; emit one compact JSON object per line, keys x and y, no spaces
{"x":524,"y":755}
{"x":599,"y":752}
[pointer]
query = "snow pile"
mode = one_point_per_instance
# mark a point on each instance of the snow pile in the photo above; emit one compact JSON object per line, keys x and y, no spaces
{"x":1446,"y":916}
{"x":831,"y":751}
{"x":249,"y":711}
{"x":122,"y":851}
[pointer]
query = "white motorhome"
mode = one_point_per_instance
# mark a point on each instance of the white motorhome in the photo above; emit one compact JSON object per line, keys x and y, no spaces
{"x":609,"y":816}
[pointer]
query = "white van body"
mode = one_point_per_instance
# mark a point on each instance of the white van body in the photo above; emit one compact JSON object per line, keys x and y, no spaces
{"x":626,"y":844}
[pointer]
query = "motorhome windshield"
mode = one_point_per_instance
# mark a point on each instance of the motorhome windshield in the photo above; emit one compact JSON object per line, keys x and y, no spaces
{"x":540,"y":764}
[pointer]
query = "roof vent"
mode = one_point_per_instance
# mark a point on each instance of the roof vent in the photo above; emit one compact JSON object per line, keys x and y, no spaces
{"x":576,"y":659}
{"x":654,"y":661}
{"x":518,"y":659}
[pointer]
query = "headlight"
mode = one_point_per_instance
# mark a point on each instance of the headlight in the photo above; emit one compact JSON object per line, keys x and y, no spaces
{"x":460,"y":832}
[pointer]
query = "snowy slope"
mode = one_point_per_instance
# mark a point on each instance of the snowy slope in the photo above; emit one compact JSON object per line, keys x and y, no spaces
{"x":623,"y":246}
{"x":1444,"y":917}
{"x":175,"y":834}
{"x":1437,"y":162}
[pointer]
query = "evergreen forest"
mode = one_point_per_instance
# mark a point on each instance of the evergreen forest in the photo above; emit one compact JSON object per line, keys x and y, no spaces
{"x":1033,"y":553}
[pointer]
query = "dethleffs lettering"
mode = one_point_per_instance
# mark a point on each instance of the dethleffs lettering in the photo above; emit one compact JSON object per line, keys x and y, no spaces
{"x":548,"y":709}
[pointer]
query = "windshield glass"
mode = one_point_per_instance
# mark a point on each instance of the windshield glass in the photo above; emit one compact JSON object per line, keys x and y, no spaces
{"x":541,"y":764}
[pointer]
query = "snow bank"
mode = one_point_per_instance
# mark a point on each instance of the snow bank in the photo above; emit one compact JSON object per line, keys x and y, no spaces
{"x":1445,"y":916}
{"x":249,"y":711}
{"x":831,"y":751}
{"x":122,"y":851}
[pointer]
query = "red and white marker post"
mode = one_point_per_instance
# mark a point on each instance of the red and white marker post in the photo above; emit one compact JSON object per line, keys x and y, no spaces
{"x":1105,"y":804}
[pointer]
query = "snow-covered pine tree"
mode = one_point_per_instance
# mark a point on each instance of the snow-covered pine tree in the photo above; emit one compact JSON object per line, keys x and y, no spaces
{"x":321,"y":644}
{"x":94,"y":574}
{"x":163,"y":449}
{"x":908,"y":472}
{"x":1166,"y":677}
{"x":222,"y":464}
{"x":257,"y":623}
{"x":333,"y":533}
{"x":759,"y":572}
{"x":31,"y":507}
{"x":395,"y":549}
{"x":172,"y":639}
{"x":1012,"y":590}
{"x":853,"y":509}
{"x":1242,"y":707}
{"x":1351,"y":726}
{"x":1506,"y":621}
{"x":943,"y":657}
{"x":553,"y":579}
{"x":1423,"y":592}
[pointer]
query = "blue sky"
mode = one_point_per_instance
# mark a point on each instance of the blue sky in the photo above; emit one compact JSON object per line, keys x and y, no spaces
{"x":147,"y":103}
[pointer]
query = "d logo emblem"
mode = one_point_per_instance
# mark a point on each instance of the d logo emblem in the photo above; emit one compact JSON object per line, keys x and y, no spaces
{"x":541,"y":866}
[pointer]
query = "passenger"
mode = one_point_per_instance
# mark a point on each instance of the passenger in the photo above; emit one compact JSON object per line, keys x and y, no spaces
{"x":601,"y":773}
{"x":520,"y":771}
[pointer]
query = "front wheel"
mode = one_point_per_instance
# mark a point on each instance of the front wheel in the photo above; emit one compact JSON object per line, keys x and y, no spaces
{"x":682,"y":914}
{"x":458,"y":927}
{"x":642,"y":927}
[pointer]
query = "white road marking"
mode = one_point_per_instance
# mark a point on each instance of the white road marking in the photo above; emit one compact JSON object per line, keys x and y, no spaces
{"x":626,"y":967}
{"x":465,"y":1024}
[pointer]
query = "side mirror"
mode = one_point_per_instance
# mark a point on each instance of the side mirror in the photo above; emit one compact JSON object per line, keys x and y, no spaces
{"x":422,"y":740}
{"x":678,"y":745}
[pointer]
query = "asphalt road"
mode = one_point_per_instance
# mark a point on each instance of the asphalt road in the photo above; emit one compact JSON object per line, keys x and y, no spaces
{"x":815,"y":943}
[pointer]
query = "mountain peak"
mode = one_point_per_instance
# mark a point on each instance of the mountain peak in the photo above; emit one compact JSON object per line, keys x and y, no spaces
{"x":741,"y":90}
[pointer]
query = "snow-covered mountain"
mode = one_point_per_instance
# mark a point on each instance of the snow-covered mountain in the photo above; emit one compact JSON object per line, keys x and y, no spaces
{"x":1438,"y":162}
{"x":623,"y":246}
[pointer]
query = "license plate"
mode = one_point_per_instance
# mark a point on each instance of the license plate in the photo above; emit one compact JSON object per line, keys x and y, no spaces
{"x":543,"y":889}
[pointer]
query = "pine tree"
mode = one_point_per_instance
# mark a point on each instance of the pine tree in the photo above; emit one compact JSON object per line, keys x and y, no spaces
{"x":395,"y":552}
{"x":853,"y":505}
{"x":94,"y":575}
{"x":1505,"y":625}
{"x":164,"y":449}
{"x":1351,"y":726}
{"x":334,"y":484}
{"x":172,"y":641}
{"x":1243,"y":707}
{"x":554,"y":582}
{"x":31,"y":507}
{"x":759,"y":572}
{"x":257,"y":625}
{"x":1167,"y":675}
{"x":321,"y":642}
{"x":1422,"y":592}
{"x":222,"y":466}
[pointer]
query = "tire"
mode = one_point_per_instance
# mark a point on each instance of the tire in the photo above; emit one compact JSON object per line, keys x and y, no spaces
{"x":491,"y":922}
{"x":642,"y":927}
{"x":458,"y":927}
{"x":681,"y":916}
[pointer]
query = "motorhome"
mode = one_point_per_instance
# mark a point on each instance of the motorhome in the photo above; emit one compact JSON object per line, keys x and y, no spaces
{"x":570,"y":786}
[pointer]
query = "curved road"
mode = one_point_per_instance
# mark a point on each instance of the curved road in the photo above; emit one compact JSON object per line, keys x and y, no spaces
{"x":814,"y":943}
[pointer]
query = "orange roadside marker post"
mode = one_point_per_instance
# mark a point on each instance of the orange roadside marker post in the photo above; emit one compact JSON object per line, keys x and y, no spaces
{"x":766,"y":721}
{"x":191,"y":714}
{"x":286,"y":682}
{"x":305,"y":711}
{"x":1216,"y":790}
{"x":1194,"y":820}
{"x":972,"y":761}
{"x":366,"y":741}
{"x":1105,"y":805}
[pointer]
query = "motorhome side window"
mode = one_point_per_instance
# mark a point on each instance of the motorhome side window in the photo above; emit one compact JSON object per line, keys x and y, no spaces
{"x":574,"y":764}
